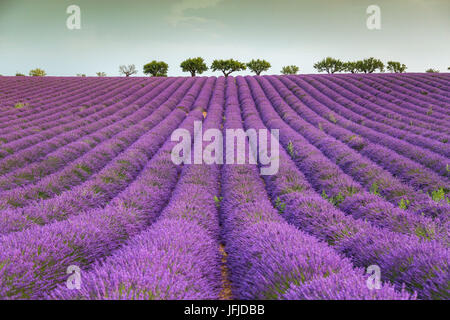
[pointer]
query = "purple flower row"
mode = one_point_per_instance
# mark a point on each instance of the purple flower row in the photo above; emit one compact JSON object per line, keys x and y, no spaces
{"x":60,"y":119}
{"x":352,"y":121}
{"x":325,"y":96}
{"x":178,"y":256}
{"x":375,"y":106}
{"x":410,"y":104}
{"x":301,"y":206}
{"x":36,"y":110}
{"x":26,"y":89}
{"x":407,"y":101}
{"x":355,"y":163}
{"x":432,"y":83}
{"x":35,"y":260}
{"x":85,"y":116}
{"x":113,"y":178}
{"x":104,"y":129}
{"x":266,"y":256}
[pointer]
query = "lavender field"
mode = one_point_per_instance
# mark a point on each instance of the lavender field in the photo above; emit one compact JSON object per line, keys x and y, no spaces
{"x":87,"y":181}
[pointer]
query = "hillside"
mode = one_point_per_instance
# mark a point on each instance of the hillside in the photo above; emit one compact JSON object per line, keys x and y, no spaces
{"x":362,"y":179}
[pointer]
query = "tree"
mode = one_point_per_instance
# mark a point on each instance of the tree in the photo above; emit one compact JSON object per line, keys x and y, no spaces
{"x":194,"y":66}
{"x":397,"y":67}
{"x":81,"y":75}
{"x":227,"y":66}
{"x":127,"y":70}
{"x":100,"y":74}
{"x":351,"y":66}
{"x":370,"y":65}
{"x":289,"y":69}
{"x":431,"y":70}
{"x":330,"y":65}
{"x":37,"y":73}
{"x":258,"y":66}
{"x":156,"y":68}
{"x":18,"y":74}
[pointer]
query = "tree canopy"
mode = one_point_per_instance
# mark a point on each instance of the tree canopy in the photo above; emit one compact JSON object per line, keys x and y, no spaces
{"x":194,"y":66}
{"x":156,"y":68}
{"x":397,"y":67}
{"x":330,"y":65}
{"x":127,"y":70}
{"x":37,"y":73}
{"x":227,"y":66}
{"x":100,"y":74}
{"x":258,"y":66}
{"x":351,"y":66}
{"x":292,"y":69}
{"x":370,"y":65}
{"x":431,"y":70}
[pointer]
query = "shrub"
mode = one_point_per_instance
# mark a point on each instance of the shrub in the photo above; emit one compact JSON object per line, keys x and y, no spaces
{"x":37,"y":73}
{"x":156,"y":68}
{"x":292,"y":69}
{"x":194,"y":66}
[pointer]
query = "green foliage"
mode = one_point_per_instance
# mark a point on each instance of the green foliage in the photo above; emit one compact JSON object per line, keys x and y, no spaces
{"x":217,"y":201}
{"x":18,"y":74}
{"x":404,"y":203}
{"x":374,"y":189}
{"x":292,"y":69}
{"x":290,"y":149}
{"x":397,"y":67}
{"x":20,"y":105}
{"x":81,"y":75}
{"x":227,"y":66}
{"x":330,"y":65}
{"x":156,"y":68}
{"x":351,"y":66}
{"x":100,"y":74}
{"x":127,"y":70}
{"x":370,"y":65}
{"x":37,"y":73}
{"x":258,"y":66}
{"x":280,"y":205}
{"x":194,"y":66}
{"x":431,"y":70}
{"x":439,"y":195}
{"x":336,"y":200}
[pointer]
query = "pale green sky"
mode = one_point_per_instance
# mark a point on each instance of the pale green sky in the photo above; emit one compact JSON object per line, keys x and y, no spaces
{"x":33,"y":33}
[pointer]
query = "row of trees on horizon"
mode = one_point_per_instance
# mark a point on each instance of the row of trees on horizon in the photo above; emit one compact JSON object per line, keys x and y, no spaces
{"x":196,"y":66}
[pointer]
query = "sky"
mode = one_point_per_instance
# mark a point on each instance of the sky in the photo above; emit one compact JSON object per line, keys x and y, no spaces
{"x":33,"y":33}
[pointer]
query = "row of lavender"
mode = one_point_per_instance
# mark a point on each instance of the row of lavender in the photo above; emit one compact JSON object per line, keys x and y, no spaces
{"x":12,"y":161}
{"x":136,"y":180}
